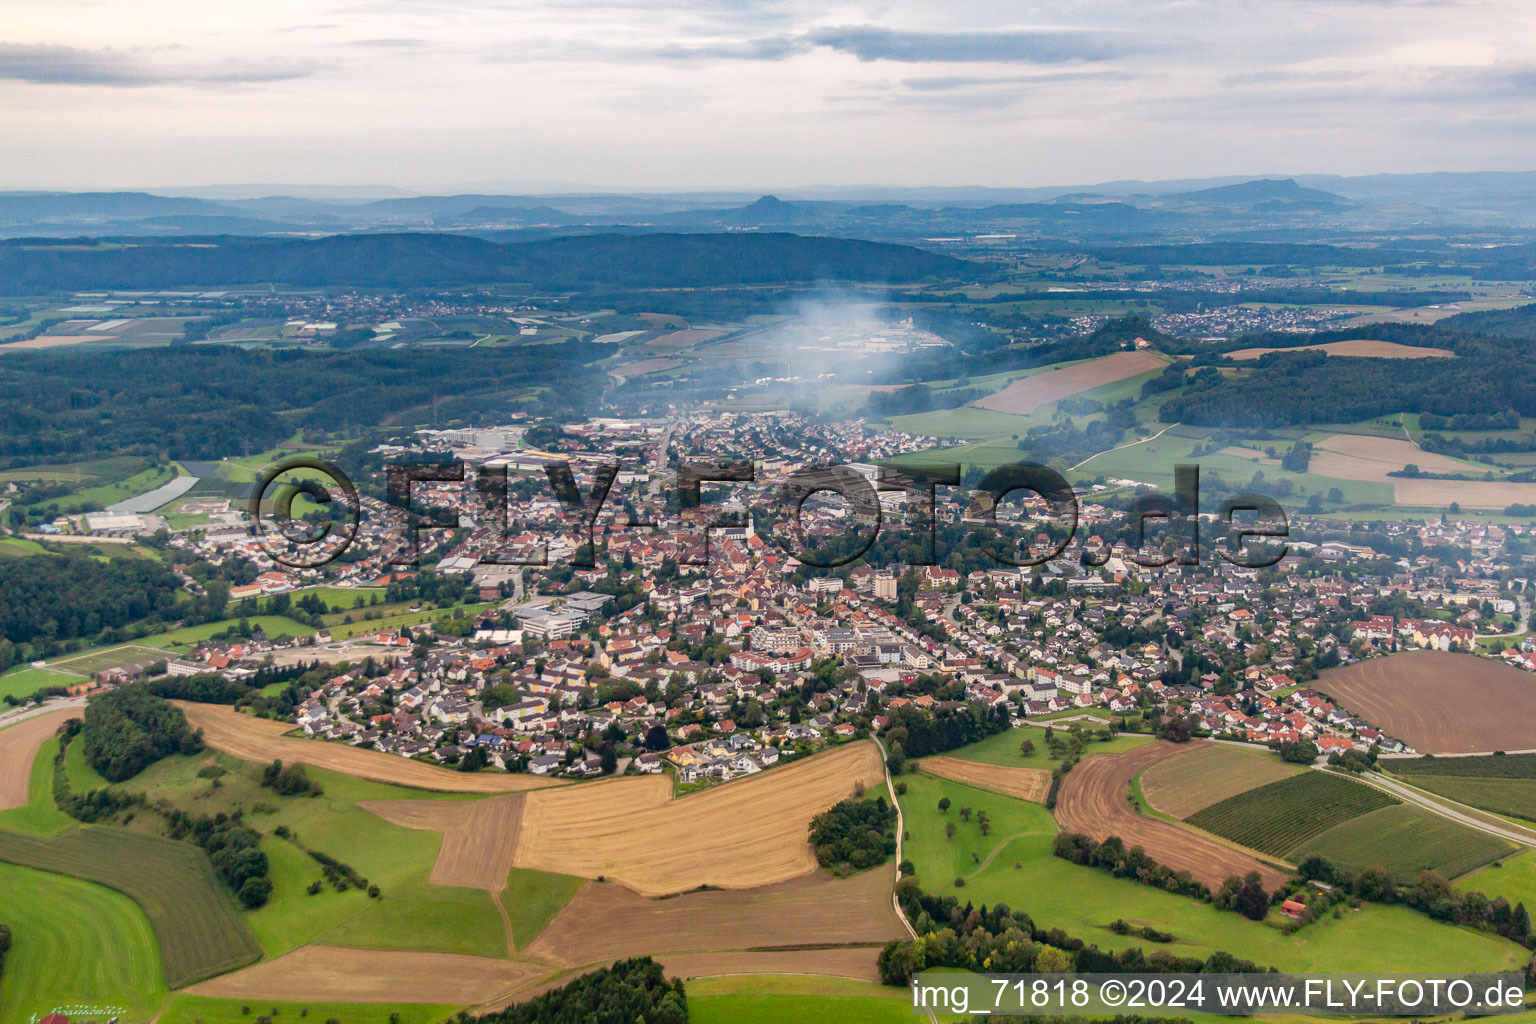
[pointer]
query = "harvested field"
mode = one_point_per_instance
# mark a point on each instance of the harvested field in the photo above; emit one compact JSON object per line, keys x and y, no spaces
{"x":48,"y":341}
{"x":1440,"y":703}
{"x":1355,"y":347}
{"x":859,"y":963}
{"x":1092,"y":800}
{"x":334,"y":975}
{"x":1027,"y":394}
{"x":1488,"y":494}
{"x":1025,"y":783}
{"x":260,"y":740}
{"x":1372,"y":459}
{"x":18,"y":749}
{"x":478,"y":837}
{"x":679,"y":340}
{"x":749,"y":833}
{"x":645,"y":366}
{"x":1208,"y":774}
{"x":607,"y":921}
{"x":1249,"y":453}
{"x":1363,"y":457}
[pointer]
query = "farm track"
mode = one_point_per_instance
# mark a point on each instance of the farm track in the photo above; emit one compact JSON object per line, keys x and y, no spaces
{"x":1092,"y":800}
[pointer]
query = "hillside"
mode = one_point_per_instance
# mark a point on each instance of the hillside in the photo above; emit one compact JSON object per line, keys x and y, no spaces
{"x":418,"y":260}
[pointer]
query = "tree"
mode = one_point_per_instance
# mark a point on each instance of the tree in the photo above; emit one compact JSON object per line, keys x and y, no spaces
{"x":1051,"y":960}
{"x":1027,"y":748}
{"x":610,"y":759}
{"x":656,"y":738}
{"x":949,"y":830}
{"x":943,"y":805}
{"x":1252,"y":900}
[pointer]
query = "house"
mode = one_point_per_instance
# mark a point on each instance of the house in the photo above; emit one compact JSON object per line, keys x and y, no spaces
{"x":1293,"y":909}
{"x":544,"y":764}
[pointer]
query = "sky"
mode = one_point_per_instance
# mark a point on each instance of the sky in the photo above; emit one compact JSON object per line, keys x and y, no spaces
{"x":738,"y":94}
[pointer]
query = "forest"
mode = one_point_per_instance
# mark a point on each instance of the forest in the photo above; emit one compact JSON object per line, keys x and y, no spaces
{"x":407,"y":260}
{"x":128,"y":729}
{"x":72,"y":596}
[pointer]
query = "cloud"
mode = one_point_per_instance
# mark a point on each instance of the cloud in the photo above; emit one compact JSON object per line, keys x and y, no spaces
{"x":869,"y":43}
{"x":68,"y":65}
{"x":947,"y":83}
{"x":1035,"y":46}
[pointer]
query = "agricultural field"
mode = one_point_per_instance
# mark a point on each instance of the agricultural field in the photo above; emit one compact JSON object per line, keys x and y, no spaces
{"x":1359,"y":348}
{"x":260,"y":740}
{"x":199,"y":930}
{"x":531,"y":899}
{"x":1438,"y":702}
{"x":1025,"y":783}
{"x":478,"y":838}
{"x":1405,"y":840}
{"x":1093,"y":800}
{"x":40,"y":816}
{"x":334,"y":974}
{"x":1015,"y":865}
{"x":19,"y":745}
{"x":1028,"y":394}
{"x":189,"y":1009}
{"x":1503,"y":784}
{"x":607,"y":921}
{"x":75,"y":943}
{"x":747,"y":1000}
{"x":1284,"y":816}
{"x":1209,"y":773}
{"x":749,"y":833}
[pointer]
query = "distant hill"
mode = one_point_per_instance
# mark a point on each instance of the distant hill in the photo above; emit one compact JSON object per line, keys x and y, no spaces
{"x":31,"y":207}
{"x":1262,"y":190}
{"x":1519,"y":322}
{"x":408,"y":260}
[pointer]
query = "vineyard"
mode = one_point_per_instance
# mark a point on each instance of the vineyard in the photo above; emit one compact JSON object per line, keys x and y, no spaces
{"x":1282,"y":816}
{"x":200,"y":932}
{"x":1492,"y":766}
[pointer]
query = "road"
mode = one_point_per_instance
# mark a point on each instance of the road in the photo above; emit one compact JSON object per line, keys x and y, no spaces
{"x":1416,"y":797}
{"x":901,"y":831}
{"x":659,"y":473}
{"x":13,"y":716}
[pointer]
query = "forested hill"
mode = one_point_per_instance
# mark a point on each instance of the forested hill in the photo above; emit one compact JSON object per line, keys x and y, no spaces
{"x":407,"y":260}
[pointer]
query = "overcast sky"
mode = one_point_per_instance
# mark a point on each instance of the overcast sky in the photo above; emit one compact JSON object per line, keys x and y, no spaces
{"x":712,"y":93}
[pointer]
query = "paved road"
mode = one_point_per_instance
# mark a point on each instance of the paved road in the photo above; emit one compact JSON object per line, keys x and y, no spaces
{"x":13,"y":716}
{"x":1444,"y":809}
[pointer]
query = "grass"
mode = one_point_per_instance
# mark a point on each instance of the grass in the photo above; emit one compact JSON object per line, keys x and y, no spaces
{"x":1084,"y":901}
{"x":185,"y":1009}
{"x":200,"y":931}
{"x":1405,"y":840}
{"x":1515,"y":798}
{"x":24,"y":682}
{"x":1514,"y":879}
{"x":533,"y":898}
{"x":74,"y":943}
{"x":273,"y":625}
{"x":81,"y":776}
{"x":1183,"y":785}
{"x":41,"y":816}
{"x":412,"y":914}
{"x":1493,"y":766}
{"x":1286,"y":815}
{"x":1003,"y":748}
{"x":771,"y":999}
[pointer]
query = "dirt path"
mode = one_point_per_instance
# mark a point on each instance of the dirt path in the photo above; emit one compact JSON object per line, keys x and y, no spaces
{"x":1092,"y":800}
